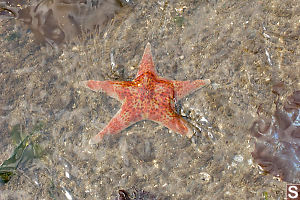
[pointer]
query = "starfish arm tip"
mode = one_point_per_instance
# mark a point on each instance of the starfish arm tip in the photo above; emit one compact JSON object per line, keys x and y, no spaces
{"x":148,"y":45}
{"x":147,"y":51}
{"x":95,"y":139}
{"x":190,"y":133}
{"x":207,"y":81}
{"x":83,"y":84}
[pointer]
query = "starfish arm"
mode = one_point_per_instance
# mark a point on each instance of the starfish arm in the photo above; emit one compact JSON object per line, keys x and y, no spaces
{"x":184,"y":88}
{"x":114,"y":89}
{"x":146,"y":64}
{"x":122,"y":119}
{"x":174,"y":122}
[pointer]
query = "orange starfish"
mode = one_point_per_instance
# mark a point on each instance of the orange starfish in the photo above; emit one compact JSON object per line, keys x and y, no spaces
{"x":147,"y":97}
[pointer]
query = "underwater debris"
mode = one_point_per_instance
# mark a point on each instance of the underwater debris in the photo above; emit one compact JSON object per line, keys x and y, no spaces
{"x":26,"y":150}
{"x":136,"y":195}
{"x":57,"y":21}
{"x":122,"y":195}
{"x":277,"y":149}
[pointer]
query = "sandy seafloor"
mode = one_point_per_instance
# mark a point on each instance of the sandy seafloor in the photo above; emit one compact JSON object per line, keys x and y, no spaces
{"x":244,"y":47}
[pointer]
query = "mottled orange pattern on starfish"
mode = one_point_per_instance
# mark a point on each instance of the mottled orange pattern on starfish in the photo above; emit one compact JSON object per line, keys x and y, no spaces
{"x":147,"y":97}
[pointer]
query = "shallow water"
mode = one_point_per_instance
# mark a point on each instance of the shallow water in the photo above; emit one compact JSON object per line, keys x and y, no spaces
{"x":243,"y":47}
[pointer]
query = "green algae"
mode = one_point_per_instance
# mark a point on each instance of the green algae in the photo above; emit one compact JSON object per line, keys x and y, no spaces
{"x":265,"y":195}
{"x":26,"y":149}
{"x":179,"y":21}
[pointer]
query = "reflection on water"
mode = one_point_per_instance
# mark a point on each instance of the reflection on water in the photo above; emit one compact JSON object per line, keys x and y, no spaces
{"x":244,"y":47}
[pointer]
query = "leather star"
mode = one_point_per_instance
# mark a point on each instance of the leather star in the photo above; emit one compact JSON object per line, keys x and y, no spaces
{"x":147,"y":97}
